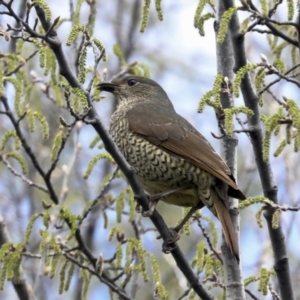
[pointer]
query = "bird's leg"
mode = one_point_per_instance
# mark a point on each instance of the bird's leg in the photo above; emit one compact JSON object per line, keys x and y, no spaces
{"x":152,"y":205}
{"x":165,"y":193}
{"x":186,"y":218}
{"x":153,"y":200}
{"x":168,"y":245}
{"x":178,"y":227}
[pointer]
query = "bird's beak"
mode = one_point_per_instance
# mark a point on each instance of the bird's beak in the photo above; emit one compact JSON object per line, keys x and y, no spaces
{"x":107,"y":86}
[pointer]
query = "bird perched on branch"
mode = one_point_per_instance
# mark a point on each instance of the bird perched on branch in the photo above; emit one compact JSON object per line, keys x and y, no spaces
{"x":172,"y":160}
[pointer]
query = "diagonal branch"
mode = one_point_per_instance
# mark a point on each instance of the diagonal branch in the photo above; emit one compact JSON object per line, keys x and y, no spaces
{"x":270,"y":24}
{"x":142,"y":199}
{"x":23,"y":177}
{"x":28,"y":149}
{"x":103,"y":277}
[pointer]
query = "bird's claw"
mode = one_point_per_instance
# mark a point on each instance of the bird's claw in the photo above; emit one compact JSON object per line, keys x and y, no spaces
{"x":168,"y":248}
{"x":138,"y":208}
{"x":174,"y":231}
{"x":148,"y":213}
{"x":152,"y":204}
{"x":169,"y":245}
{"x":153,"y":200}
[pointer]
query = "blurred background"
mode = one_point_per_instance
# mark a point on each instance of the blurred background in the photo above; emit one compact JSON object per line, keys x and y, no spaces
{"x":184,"y":64}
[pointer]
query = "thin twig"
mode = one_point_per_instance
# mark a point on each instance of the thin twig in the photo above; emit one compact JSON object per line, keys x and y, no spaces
{"x":28,"y":150}
{"x":210,"y":245}
{"x":251,"y":294}
{"x":102,"y":192}
{"x":23,"y":177}
{"x":21,"y":65}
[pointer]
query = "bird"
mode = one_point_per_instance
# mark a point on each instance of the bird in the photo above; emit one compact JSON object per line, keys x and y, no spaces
{"x":172,"y":160}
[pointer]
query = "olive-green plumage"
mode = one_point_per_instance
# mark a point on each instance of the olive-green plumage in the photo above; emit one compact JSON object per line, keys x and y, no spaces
{"x":167,"y":152}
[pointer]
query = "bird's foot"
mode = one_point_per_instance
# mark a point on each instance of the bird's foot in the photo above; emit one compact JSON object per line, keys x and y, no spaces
{"x":169,"y":244}
{"x":153,"y":200}
{"x":152,"y":204}
{"x":138,"y":208}
{"x":149,"y":212}
{"x":174,"y":231}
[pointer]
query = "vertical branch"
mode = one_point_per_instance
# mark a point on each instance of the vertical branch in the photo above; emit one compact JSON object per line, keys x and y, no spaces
{"x":264,"y":168}
{"x":21,"y":13}
{"x":225,"y":62}
{"x":298,"y":28}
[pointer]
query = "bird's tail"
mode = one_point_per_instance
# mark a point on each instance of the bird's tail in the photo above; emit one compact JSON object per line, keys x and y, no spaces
{"x":223,"y":215}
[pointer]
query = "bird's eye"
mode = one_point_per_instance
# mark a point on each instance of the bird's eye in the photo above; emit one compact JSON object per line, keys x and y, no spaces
{"x":132,"y":82}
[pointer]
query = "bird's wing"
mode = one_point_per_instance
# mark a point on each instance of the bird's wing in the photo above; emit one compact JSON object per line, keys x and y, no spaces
{"x":173,"y":134}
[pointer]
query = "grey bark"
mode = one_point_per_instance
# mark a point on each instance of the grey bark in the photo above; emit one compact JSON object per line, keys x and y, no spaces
{"x":225,"y":62}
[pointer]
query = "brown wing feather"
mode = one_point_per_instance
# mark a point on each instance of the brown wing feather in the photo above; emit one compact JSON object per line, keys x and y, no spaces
{"x":174,"y":134}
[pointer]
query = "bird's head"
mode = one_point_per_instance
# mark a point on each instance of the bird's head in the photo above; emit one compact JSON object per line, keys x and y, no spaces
{"x":135,"y":89}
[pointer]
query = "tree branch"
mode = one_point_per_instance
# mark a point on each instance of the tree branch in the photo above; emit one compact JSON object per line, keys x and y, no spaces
{"x":28,"y":149}
{"x":269,"y":23}
{"x":233,"y":270}
{"x":142,"y":199}
{"x":264,"y":168}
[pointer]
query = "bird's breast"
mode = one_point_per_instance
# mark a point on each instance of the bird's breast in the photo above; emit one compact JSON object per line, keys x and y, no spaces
{"x":158,"y":170}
